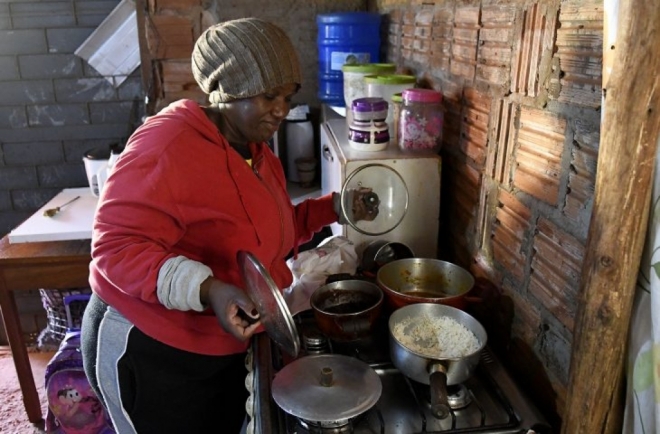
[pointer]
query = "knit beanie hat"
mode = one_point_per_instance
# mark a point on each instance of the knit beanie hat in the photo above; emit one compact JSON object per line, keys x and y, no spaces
{"x":243,"y":58}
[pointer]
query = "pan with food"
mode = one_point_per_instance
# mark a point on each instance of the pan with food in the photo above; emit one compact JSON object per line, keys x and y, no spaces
{"x":435,"y":344}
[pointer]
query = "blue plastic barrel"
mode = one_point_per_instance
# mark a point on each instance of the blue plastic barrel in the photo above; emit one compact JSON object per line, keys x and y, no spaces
{"x":345,"y":37}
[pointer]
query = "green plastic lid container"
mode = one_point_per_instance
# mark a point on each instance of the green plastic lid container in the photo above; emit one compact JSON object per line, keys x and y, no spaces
{"x":370,"y":68}
{"x":390,"y":79}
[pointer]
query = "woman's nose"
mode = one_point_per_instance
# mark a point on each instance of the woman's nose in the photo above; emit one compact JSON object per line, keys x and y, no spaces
{"x":281,"y":107}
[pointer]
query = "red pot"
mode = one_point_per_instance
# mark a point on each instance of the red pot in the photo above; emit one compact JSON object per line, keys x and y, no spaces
{"x":347,"y":310}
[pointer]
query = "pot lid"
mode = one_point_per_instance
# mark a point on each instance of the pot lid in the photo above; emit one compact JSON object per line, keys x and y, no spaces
{"x":388,"y":192}
{"x":273,"y":310}
{"x":326,"y":388}
{"x":422,"y":95}
{"x":369,"y":104}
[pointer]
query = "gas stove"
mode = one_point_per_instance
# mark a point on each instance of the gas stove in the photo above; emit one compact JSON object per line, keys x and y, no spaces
{"x":488,"y":402}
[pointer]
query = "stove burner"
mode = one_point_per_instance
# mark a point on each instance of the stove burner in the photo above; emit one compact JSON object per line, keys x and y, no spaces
{"x":338,"y":427}
{"x":487,"y":402}
{"x":458,"y":396}
{"x":315,"y":342}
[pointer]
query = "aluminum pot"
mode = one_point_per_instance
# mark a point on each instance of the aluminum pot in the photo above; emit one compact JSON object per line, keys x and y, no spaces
{"x":347,"y":310}
{"x":438,"y":372}
{"x":425,"y":280}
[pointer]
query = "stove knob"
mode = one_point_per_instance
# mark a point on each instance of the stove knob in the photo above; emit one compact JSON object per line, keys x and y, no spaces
{"x":249,"y":381}
{"x":249,"y":406}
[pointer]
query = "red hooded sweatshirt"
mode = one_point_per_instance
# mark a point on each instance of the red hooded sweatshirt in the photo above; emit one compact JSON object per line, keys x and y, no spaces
{"x":180,"y":189}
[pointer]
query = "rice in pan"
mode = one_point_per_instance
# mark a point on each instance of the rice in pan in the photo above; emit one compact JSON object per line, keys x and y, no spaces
{"x":436,"y":337}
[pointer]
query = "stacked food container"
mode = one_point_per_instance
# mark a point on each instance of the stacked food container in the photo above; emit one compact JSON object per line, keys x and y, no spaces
{"x":385,"y":86}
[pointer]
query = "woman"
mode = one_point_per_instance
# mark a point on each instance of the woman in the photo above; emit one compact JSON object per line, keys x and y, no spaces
{"x":165,"y":335}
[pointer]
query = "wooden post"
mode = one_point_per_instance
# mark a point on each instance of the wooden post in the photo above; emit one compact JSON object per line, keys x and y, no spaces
{"x":629,"y":137}
{"x":146,"y":66}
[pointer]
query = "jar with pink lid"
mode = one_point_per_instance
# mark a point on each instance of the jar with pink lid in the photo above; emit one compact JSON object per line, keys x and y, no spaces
{"x":421,"y":120}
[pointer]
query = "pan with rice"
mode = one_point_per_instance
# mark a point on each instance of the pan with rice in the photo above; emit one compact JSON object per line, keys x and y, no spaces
{"x":437,"y":345}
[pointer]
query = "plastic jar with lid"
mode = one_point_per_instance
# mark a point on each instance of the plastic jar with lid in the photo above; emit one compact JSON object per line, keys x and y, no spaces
{"x":354,"y":84}
{"x":368,"y":131}
{"x":395,"y":106}
{"x":384,"y":86}
{"x":421,"y":120}
{"x":369,"y":109}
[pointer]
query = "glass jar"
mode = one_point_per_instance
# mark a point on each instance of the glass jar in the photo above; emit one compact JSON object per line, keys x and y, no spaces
{"x":421,"y":120}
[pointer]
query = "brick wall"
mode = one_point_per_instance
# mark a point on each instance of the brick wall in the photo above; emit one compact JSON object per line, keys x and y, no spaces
{"x":522,"y":87}
{"x":173,"y":27}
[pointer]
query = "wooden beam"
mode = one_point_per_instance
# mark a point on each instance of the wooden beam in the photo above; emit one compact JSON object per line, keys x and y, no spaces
{"x":146,"y":65}
{"x":626,"y":160}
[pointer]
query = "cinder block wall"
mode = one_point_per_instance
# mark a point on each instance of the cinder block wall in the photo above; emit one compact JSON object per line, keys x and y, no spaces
{"x":54,"y":106}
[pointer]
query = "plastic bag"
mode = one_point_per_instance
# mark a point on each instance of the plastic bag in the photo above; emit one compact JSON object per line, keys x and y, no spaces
{"x":334,"y":255}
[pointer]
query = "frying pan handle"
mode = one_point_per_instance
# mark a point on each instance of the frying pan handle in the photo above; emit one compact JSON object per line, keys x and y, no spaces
{"x":438,"y":383}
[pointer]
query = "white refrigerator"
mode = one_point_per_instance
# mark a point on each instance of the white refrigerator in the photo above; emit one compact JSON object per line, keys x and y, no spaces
{"x":420,"y":172}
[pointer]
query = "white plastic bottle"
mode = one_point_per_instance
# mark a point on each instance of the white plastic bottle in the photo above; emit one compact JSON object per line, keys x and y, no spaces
{"x":107,"y":170}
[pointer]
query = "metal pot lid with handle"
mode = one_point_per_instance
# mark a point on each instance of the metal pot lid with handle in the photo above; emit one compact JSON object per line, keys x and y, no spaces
{"x":326,"y":388}
{"x":388,"y":193}
{"x":273,"y":310}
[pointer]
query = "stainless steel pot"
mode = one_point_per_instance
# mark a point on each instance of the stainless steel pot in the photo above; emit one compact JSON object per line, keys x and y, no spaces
{"x":438,"y":372}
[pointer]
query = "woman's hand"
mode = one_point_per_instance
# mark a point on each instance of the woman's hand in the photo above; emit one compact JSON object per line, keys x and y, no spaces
{"x":235,"y":311}
{"x":364,"y":205}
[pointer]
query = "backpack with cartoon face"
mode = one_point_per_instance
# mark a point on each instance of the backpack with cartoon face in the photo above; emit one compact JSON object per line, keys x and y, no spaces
{"x":73,"y":407}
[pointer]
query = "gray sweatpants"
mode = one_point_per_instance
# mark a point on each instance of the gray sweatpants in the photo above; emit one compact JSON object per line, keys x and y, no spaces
{"x":150,"y":387}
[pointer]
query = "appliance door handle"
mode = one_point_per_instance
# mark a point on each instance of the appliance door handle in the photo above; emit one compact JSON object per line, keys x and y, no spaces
{"x":327,"y":154}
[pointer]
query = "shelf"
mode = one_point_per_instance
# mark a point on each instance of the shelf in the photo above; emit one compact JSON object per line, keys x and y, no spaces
{"x":298,"y":193}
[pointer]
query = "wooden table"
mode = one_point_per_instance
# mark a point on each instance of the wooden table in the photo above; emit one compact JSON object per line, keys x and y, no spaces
{"x":35,"y":265}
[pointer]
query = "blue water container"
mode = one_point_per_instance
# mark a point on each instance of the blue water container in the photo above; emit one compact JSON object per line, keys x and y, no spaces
{"x":345,"y":37}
